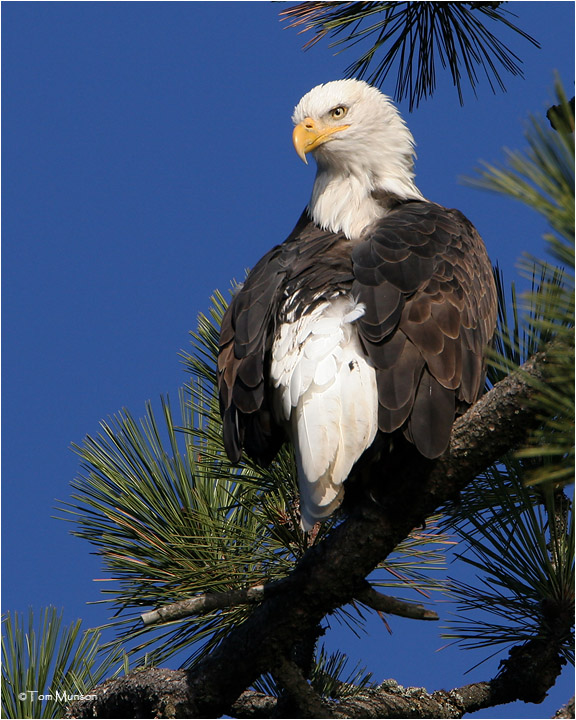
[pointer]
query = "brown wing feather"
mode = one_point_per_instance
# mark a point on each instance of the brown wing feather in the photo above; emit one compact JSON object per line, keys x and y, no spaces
{"x":308,"y":267}
{"x":430,"y":359}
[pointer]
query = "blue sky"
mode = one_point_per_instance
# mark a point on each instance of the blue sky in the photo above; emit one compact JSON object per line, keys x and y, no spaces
{"x":147,"y":161}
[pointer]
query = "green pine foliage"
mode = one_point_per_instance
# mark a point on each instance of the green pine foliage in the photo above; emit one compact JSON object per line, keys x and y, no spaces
{"x":45,"y":664}
{"x":519,"y":541}
{"x":331,"y":678}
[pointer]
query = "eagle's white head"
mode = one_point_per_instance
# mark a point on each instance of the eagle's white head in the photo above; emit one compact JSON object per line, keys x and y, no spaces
{"x":363,"y":150}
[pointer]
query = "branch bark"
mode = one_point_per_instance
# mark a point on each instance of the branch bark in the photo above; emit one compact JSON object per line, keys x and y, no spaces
{"x":332,"y":573}
{"x":207,"y":602}
{"x":393,"y":606}
{"x":249,"y":596}
{"x":566,"y":711}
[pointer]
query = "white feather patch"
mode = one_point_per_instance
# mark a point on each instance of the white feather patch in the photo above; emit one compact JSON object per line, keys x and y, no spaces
{"x":325,"y":392}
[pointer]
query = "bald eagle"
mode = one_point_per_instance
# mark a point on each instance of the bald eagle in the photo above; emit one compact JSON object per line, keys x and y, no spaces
{"x":369,"y":323}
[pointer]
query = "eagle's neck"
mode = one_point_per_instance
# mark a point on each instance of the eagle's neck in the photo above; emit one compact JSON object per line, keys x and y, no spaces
{"x":348,"y":201}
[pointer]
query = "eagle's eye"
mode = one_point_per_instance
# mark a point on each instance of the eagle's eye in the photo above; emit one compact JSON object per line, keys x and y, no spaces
{"x":339,"y":112}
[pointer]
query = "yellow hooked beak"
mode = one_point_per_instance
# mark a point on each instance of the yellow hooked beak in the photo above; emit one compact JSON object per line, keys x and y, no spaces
{"x":307,"y":136}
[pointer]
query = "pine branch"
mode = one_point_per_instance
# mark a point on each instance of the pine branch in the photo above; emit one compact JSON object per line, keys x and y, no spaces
{"x":412,"y":39}
{"x":208,"y":602}
{"x":566,"y":711}
{"x":165,"y":693}
{"x":393,"y":606}
{"x":303,"y":701}
{"x":252,"y":704}
{"x":334,"y":571}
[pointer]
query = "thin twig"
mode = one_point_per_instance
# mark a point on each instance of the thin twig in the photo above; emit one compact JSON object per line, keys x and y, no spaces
{"x":207,"y":602}
{"x":388,"y":604}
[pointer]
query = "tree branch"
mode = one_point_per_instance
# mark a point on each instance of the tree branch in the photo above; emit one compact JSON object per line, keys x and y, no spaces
{"x":217,"y":601}
{"x":333,"y":572}
{"x":385,"y":603}
{"x":162,"y":693}
{"x":566,"y":711}
{"x":209,"y":601}
{"x":301,"y":700}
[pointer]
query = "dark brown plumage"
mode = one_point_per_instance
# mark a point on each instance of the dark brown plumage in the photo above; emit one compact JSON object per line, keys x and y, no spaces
{"x":425,"y":279}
